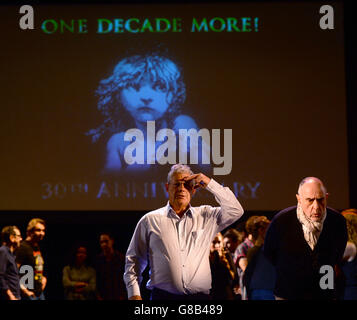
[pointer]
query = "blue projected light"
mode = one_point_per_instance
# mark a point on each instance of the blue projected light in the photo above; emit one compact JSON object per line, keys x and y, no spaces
{"x":141,"y":102}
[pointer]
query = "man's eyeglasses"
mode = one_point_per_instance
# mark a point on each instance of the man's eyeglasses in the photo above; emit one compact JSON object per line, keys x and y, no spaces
{"x":189,"y":185}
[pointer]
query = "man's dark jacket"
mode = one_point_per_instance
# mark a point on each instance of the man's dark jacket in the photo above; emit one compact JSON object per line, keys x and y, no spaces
{"x":297,"y":266}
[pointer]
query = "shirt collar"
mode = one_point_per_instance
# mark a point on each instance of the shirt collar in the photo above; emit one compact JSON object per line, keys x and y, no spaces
{"x":172,"y":212}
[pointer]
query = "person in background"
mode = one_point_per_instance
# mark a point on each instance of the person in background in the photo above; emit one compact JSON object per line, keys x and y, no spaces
{"x":302,"y":239}
{"x":259,"y":276}
{"x":79,"y":279}
{"x":242,"y":250}
{"x":349,"y":266}
{"x":223,"y":271}
{"x":9,"y":274}
{"x":29,"y":253}
{"x":231,"y":240}
{"x":109,"y":266}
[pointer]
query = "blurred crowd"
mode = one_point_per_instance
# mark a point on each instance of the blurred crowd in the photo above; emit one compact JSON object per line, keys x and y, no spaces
{"x":239,"y":268}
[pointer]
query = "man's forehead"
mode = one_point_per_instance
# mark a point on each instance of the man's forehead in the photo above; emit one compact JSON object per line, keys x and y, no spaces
{"x":312,"y":190}
{"x":178,"y":176}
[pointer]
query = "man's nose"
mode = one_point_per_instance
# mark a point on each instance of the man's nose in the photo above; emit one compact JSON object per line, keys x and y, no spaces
{"x":181,"y":186}
{"x":315,"y":204}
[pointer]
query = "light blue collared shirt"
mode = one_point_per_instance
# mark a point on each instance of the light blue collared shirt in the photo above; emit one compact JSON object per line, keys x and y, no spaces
{"x":178,"y":248}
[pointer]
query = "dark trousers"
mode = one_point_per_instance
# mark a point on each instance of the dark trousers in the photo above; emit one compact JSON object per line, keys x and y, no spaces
{"x":158,"y":294}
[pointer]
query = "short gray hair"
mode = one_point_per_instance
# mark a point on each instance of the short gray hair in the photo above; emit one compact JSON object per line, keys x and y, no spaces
{"x":178,"y":168}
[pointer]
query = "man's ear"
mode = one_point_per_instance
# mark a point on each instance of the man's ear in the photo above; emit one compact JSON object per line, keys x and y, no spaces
{"x":12,"y":238}
{"x":167,"y":187}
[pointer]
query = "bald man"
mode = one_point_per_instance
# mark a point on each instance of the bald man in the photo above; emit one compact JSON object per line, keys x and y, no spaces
{"x":305,"y":243}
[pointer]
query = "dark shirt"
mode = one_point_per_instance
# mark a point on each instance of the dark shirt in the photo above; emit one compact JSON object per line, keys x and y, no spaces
{"x":9,"y":275}
{"x":350,"y":272}
{"x":30,"y":255}
{"x":260,"y":273}
{"x":297,"y":266}
{"x":110,"y":283}
{"x":350,"y":280}
{"x":222,"y":281}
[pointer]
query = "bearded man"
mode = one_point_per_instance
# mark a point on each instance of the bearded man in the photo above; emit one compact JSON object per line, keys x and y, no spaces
{"x":305,"y":243}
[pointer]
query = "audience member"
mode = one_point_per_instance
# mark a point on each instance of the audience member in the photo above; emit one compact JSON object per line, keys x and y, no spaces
{"x":79,"y":279}
{"x":9,"y":274}
{"x":29,"y":253}
{"x":301,"y":240}
{"x":240,"y":227}
{"x":246,"y":244}
{"x":231,"y":240}
{"x":259,"y":276}
{"x":223,"y":271}
{"x":349,"y":266}
{"x":241,"y":261}
{"x":109,"y":266}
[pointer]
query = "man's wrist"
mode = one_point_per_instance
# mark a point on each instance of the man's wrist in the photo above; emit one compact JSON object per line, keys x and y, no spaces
{"x":133,"y":291}
{"x":27,"y":292}
{"x":211,"y":184}
{"x":10,"y":295}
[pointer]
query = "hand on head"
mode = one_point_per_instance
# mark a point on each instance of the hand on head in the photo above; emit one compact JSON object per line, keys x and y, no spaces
{"x":198,"y":180}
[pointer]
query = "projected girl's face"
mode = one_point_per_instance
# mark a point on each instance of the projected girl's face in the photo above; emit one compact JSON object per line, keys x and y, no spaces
{"x":147,"y":100}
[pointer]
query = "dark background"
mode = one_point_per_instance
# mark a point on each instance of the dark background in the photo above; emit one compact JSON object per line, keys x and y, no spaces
{"x":65,"y":228}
